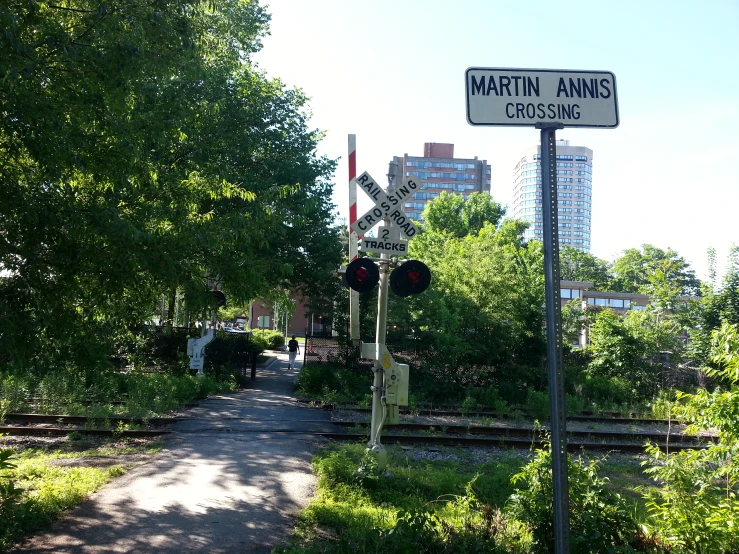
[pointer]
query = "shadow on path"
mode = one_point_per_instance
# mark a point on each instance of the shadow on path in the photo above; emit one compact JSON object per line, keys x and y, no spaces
{"x":226,"y":482}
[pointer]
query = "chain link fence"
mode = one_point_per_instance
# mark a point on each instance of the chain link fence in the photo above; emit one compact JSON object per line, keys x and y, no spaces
{"x":157,"y":349}
{"x":322,"y":349}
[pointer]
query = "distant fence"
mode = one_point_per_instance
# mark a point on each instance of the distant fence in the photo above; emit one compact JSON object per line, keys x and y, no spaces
{"x":162,"y":349}
{"x":321,"y":349}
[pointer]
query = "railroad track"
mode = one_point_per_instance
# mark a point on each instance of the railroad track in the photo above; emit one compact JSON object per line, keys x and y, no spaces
{"x":412,"y":433}
{"x":528,"y":431}
{"x":504,"y":441}
{"x":584,"y":417}
{"x":67,"y":419}
{"x":37,"y":425}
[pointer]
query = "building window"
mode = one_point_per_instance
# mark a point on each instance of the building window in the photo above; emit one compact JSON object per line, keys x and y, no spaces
{"x":580,"y":158}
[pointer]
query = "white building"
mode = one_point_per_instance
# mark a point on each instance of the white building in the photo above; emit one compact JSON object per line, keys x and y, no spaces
{"x":574,"y":193}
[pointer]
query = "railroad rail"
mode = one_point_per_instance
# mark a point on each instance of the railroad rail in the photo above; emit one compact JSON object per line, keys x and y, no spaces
{"x":67,"y":419}
{"x":411,"y":433}
{"x":504,"y":441}
{"x":512,"y":431}
{"x":497,"y":415}
{"x":26,"y":431}
{"x":36,"y":425}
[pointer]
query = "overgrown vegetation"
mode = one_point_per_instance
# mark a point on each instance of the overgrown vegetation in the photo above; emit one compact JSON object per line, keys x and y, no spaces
{"x":103,"y":396}
{"x":458,"y":504}
{"x":695,"y":508}
{"x":691,"y":505}
{"x":272,"y":339}
{"x":34,"y":490}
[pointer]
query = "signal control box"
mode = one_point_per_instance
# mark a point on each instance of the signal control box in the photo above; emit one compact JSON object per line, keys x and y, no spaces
{"x":396,"y":384}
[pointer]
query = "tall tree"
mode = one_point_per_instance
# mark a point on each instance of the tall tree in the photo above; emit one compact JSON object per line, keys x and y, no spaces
{"x":141,"y":150}
{"x":663,"y":274}
{"x":576,"y":265}
{"x":453,"y":214}
{"x":719,"y":303}
{"x":484,"y":306}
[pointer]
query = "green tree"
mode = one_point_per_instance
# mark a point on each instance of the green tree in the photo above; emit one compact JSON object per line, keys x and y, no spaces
{"x":454,"y":214}
{"x":662,"y":274}
{"x":141,"y":150}
{"x":576,"y":265}
{"x":484,"y":307}
{"x":718,"y":303}
{"x":634,"y":349}
{"x":696,"y":507}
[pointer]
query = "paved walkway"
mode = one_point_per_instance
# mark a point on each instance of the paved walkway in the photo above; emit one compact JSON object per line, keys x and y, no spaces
{"x":227,"y":481}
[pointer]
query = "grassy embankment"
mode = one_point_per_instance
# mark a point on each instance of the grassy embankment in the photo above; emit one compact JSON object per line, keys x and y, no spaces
{"x":446,"y":499}
{"x":438,"y":500}
{"x":333,"y":383}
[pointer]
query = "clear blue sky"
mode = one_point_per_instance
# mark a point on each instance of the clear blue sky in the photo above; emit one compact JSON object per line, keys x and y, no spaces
{"x":392,"y":72}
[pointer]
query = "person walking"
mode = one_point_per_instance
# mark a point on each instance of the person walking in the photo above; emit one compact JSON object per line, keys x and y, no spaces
{"x":293,"y":349}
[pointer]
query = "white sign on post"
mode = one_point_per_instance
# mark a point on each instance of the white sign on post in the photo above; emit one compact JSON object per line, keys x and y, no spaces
{"x":386,"y":205}
{"x":525,"y":97}
{"x":387,"y":241}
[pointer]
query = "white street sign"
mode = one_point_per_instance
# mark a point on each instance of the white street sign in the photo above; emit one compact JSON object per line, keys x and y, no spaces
{"x":371,"y":188}
{"x":386,"y":205}
{"x":367,"y":221}
{"x":525,"y":97}
{"x":399,"y":219}
{"x":393,"y":247}
{"x":388,"y":233}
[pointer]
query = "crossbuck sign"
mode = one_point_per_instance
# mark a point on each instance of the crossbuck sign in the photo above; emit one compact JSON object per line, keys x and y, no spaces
{"x":386,"y":205}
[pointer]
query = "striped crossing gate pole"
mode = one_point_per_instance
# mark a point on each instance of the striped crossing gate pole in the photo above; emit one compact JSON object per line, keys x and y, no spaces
{"x":353,"y":239}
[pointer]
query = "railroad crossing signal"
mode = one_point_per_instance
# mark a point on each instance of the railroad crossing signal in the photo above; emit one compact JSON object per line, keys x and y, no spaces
{"x":387,"y":242}
{"x":412,"y":277}
{"x":386,"y":205}
{"x":362,"y":275}
{"x":218,"y":298}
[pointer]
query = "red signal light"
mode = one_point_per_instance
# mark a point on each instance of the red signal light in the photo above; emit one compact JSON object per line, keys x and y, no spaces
{"x":413,"y":277}
{"x":362,"y":275}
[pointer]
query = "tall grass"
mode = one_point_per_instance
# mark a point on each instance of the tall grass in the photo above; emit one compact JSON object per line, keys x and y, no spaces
{"x":103,"y":394}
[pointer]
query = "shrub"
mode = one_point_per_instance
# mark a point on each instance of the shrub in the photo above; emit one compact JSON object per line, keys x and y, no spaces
{"x":274,"y":339}
{"x":10,"y":497}
{"x":315,"y":378}
{"x":599,"y":519}
{"x":259,"y":343}
{"x":537,"y":403}
{"x":607,"y":392}
{"x":696,"y":508}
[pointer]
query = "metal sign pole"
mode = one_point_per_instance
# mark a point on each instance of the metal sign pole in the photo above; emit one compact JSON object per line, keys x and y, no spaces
{"x":378,"y":410}
{"x":554,"y":337}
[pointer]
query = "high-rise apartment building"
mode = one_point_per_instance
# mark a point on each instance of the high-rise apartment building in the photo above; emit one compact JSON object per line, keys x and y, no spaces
{"x":574,"y":193}
{"x":441,"y":171}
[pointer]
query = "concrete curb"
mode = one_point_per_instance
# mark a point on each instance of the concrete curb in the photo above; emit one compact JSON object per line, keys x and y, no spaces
{"x":267,"y":364}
